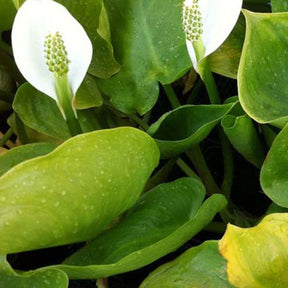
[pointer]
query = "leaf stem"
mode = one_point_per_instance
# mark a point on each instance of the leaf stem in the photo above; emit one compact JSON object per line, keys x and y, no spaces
{"x":186,"y":169}
{"x":161,"y":175}
{"x":209,"y":81}
{"x":227,"y":181}
{"x":139,"y":121}
{"x":198,"y":160}
{"x":172,"y":97}
{"x":6,"y":137}
{"x":213,"y":93}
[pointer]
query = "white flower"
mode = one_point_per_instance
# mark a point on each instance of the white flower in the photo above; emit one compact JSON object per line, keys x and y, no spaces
{"x":48,"y":42}
{"x":207,"y":24}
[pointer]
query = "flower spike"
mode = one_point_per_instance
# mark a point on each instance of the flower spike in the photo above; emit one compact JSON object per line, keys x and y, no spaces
{"x":37,"y":26}
{"x":207,"y":24}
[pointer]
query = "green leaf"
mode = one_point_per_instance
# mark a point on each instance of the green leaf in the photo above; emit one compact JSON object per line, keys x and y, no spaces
{"x":163,"y":220}
{"x":274,"y":172}
{"x":19,"y":154}
{"x":245,"y":138}
{"x":40,"y":112}
{"x":257,"y":257}
{"x":7,"y":14}
{"x":150,"y":45}
{"x":185,"y":127}
{"x":27,"y":135}
{"x":91,"y":14}
{"x":279,"y":5}
{"x":42,"y":278}
{"x":73,"y":193}
{"x":225,"y":60}
{"x":88,"y":94}
{"x":263,"y":68}
{"x":200,"y":267}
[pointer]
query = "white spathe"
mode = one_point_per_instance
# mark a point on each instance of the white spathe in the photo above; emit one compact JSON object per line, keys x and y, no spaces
{"x":218,"y":19}
{"x":33,"y":22}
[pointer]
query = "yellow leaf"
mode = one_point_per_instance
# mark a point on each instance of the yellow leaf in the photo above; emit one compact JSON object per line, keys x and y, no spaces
{"x":258,"y":256}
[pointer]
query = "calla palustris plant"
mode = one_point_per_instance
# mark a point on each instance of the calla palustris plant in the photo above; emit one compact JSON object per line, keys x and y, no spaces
{"x":53,"y":52}
{"x":51,"y":196}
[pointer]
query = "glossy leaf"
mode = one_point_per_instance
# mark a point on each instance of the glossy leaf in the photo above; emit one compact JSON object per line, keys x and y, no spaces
{"x":27,"y":135}
{"x":73,"y":193}
{"x":185,"y":127}
{"x":257,"y":257}
{"x":200,"y":267}
{"x":150,"y":45}
{"x":40,"y":112}
{"x":92,"y":15}
{"x":225,"y":60}
{"x":274,"y":173}
{"x":24,"y":152}
{"x":43,"y":278}
{"x":263,"y":72}
{"x":88,"y":95}
{"x":245,"y":138}
{"x":163,"y":220}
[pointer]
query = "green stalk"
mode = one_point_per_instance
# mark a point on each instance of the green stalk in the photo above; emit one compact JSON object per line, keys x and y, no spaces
{"x":198,"y":160}
{"x":186,"y":169}
{"x":65,"y":97}
{"x":6,"y":137}
{"x":161,"y":175}
{"x":209,"y":81}
{"x":139,"y":121}
{"x":172,"y":97}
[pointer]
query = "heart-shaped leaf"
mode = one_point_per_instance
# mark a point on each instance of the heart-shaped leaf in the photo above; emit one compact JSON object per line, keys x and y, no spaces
{"x":201,"y":267}
{"x":263,"y":73}
{"x":74,"y":192}
{"x":150,"y":45}
{"x":163,"y":220}
{"x":185,"y":127}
